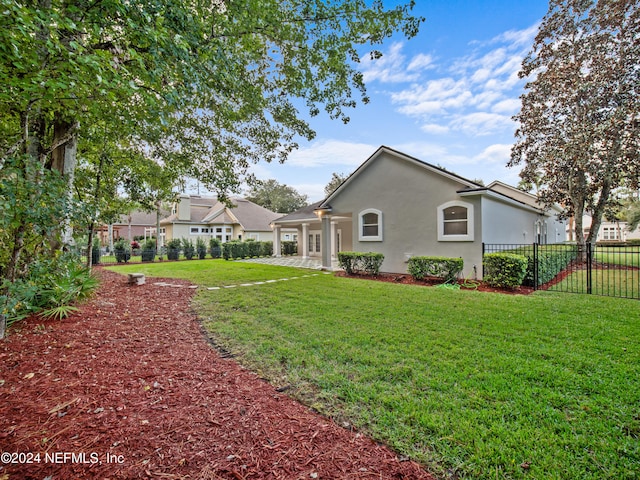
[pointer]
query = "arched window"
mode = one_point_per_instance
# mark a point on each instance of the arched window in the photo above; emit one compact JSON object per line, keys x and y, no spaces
{"x":370,"y":225}
{"x":455,"y":222}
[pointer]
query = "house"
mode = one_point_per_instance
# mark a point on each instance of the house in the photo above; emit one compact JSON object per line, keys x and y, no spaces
{"x":401,"y":207}
{"x":137,"y":224}
{"x":610,"y":231}
{"x":193,"y":216}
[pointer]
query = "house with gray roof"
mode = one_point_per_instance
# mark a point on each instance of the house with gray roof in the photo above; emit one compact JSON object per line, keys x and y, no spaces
{"x":402,"y":207}
{"x":193,"y":216}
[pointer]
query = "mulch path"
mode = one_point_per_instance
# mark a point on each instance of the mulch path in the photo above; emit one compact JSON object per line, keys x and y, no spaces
{"x":129,"y":387}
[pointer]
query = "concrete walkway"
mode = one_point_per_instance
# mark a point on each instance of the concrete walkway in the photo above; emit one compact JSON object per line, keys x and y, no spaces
{"x":287,"y":262}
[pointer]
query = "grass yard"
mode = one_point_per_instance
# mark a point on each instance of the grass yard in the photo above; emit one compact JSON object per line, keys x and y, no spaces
{"x":210,"y":272}
{"x":472,"y":384}
{"x":610,"y":282}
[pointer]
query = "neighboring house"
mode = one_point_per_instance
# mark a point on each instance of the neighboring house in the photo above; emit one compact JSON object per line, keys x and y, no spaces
{"x":401,"y":207}
{"x":135,"y":224}
{"x":616,"y":231}
{"x":194,"y":216}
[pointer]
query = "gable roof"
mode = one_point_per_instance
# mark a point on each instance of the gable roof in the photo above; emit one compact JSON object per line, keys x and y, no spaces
{"x":210,"y":210}
{"x":304,"y":213}
{"x":402,"y":156}
{"x":252,"y":216}
{"x":140,"y":217}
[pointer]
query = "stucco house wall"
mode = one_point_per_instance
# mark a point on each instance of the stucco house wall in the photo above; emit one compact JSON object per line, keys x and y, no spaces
{"x":408,"y":201}
{"x":399,"y":206}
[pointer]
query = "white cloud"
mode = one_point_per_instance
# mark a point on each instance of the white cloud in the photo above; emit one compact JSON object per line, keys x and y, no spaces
{"x":478,"y":94}
{"x":482,"y":123}
{"x":518,"y":38}
{"x":498,"y":153}
{"x":510,"y":106}
{"x":331,"y":152}
{"x":390,"y":68}
{"x":421,"y":62}
{"x":314,"y":191}
{"x":435,"y":129}
{"x":434,"y":97}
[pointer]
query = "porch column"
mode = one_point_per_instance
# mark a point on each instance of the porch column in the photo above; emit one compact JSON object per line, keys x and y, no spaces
{"x":277,"y":250}
{"x":334,"y":248}
{"x":326,"y":241}
{"x":305,"y":241}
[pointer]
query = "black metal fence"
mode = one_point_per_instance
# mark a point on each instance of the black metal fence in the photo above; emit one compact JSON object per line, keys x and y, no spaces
{"x":608,"y":270}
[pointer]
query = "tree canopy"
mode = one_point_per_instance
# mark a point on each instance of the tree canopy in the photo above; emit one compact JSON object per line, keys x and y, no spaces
{"x":336,"y":180}
{"x":277,"y":197}
{"x":579,"y":126}
{"x":209,"y":86}
{"x":200,"y":88}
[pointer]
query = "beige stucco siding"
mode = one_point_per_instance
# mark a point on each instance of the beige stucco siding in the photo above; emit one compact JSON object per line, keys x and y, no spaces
{"x":408,"y":198}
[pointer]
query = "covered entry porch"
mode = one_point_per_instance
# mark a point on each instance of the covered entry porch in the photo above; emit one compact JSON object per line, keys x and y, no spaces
{"x":320,"y":235}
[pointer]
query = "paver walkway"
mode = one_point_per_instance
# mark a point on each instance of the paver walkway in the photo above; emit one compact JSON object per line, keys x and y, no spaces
{"x":296,"y":261}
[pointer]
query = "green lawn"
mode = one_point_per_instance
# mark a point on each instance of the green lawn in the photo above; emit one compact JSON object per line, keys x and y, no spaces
{"x":610,"y":282}
{"x":210,"y":273}
{"x":485,"y":385}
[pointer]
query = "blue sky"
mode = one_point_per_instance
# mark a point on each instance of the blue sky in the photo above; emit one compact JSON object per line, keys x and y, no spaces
{"x":446,"y":97}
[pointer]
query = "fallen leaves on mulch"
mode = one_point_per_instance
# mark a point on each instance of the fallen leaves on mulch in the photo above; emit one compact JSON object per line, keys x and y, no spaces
{"x":129,"y":387}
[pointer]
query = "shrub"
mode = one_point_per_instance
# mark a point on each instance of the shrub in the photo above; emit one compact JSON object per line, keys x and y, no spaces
{"x":446,"y":268}
{"x":201,"y":248}
{"x":266,"y":249}
{"x":95,"y":252}
{"x":253,"y":248}
{"x":51,"y":289}
{"x":173,"y":249}
{"x":215,"y":249}
{"x":188,"y":249}
{"x":550,"y":264}
{"x":504,"y":270}
{"x":122,"y":251}
{"x":289,"y":248}
{"x":359,"y":262}
{"x":149,"y":250}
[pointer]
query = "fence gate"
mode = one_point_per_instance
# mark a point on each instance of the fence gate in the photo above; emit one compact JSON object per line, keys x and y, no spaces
{"x":609,"y":270}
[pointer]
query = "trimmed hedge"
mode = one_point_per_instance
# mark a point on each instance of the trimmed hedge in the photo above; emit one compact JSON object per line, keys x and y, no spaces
{"x":247,"y":249}
{"x":289,"y":248}
{"x":550,"y":264}
{"x":504,"y":270}
{"x":446,"y":268}
{"x":360,"y":262}
{"x":215,"y":248}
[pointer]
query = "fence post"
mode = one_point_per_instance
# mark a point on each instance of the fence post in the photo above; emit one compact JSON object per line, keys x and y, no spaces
{"x":534,"y":248}
{"x":589,"y":269}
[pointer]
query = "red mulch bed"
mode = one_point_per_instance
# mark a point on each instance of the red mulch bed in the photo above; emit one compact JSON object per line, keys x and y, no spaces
{"x":129,"y":387}
{"x":407,"y":279}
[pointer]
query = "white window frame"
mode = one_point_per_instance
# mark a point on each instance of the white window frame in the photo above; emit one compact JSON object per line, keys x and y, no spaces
{"x":469,"y":236}
{"x":369,"y":238}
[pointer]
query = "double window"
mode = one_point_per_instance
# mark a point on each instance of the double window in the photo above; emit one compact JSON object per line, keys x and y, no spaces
{"x":455,"y":222}
{"x":370,"y":225}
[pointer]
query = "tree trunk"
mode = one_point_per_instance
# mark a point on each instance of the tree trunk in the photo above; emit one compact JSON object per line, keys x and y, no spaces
{"x":64,"y":160}
{"x":18,"y":245}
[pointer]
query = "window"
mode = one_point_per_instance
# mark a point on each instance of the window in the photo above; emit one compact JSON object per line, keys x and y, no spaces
{"x":195,"y":230}
{"x":370,"y":225}
{"x":455,"y":222}
{"x":610,"y":233}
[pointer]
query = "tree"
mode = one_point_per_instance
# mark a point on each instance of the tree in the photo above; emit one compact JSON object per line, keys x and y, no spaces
{"x":579,"y":126}
{"x":336,"y":180}
{"x":204,"y":88}
{"x":277,"y":197}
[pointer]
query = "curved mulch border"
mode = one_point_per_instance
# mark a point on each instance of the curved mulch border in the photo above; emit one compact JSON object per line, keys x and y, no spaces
{"x":128,"y":388}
